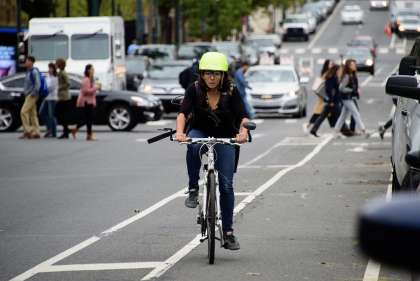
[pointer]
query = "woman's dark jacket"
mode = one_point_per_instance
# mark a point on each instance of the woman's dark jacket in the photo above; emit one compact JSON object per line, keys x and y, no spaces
{"x":331,"y":87}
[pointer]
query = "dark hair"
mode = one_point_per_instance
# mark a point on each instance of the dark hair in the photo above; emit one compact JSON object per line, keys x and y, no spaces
{"x":325,"y":67}
{"x":332,"y":71}
{"x":347,"y":71}
{"x":31,"y":58}
{"x":245,"y":63}
{"x":227,"y":80}
{"x":51,"y":65}
{"x":61,"y":63}
{"x":87,"y":68}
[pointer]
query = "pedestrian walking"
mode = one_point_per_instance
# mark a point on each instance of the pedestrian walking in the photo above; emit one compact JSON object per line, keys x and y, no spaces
{"x":132,"y":47}
{"x":31,"y":86}
{"x":241,"y":84}
{"x":382,"y":129}
{"x":319,"y":107}
{"x":332,"y":105}
{"x":46,"y":112}
{"x":87,"y":101}
{"x":64,"y":98}
{"x":348,"y":89}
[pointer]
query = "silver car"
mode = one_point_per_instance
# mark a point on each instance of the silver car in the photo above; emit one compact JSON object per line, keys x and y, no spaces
{"x":277,"y":89}
{"x":162,"y":80}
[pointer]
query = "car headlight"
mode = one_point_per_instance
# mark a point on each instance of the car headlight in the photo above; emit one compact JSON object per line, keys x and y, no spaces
{"x":373,"y":3}
{"x":147,"y":88}
{"x":401,"y":28}
{"x":418,"y":29}
{"x":369,"y":62}
{"x":384,"y":3}
{"x":141,"y":101}
{"x":292,"y":93}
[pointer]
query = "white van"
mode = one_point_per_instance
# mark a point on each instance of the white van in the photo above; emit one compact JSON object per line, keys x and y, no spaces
{"x":86,"y":40}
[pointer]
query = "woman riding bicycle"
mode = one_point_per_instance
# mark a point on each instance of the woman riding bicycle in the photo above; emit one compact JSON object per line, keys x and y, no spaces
{"x":215,"y":103}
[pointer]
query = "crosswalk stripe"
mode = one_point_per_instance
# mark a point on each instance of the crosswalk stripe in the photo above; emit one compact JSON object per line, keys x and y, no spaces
{"x":400,"y":51}
{"x":320,"y":61}
{"x":383,"y":50}
{"x":332,"y":50}
{"x":284,"y":51}
{"x":299,"y":51}
{"x":316,"y":50}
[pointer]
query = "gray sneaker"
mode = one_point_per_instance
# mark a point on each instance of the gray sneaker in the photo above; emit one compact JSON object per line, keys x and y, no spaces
{"x":192,"y":200}
{"x":231,"y":242}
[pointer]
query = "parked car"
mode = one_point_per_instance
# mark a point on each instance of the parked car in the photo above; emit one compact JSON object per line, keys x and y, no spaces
{"x":364,"y":41}
{"x":267,"y":43}
{"x":376,"y":5}
{"x":135,"y":68}
{"x":235,"y":48}
{"x":253,"y":53}
{"x":189,"y":51}
{"x":316,"y":11}
{"x":277,"y":89}
{"x":363,"y":57}
{"x":409,"y":26}
{"x":120,"y":110}
{"x":396,"y":21}
{"x":156,"y":52}
{"x":406,"y":123}
{"x":352,"y":14}
{"x":162,"y":80}
{"x":230,"y":59}
{"x":295,"y":26}
{"x":312,"y":23}
{"x":319,"y":6}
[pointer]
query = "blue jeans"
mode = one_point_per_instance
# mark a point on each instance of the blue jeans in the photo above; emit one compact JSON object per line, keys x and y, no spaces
{"x":225,"y":165}
{"x":251,"y":114}
{"x":46,"y":113}
{"x":349,"y":106}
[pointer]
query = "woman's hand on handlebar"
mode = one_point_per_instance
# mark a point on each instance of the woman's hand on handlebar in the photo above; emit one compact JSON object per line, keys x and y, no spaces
{"x":180,"y":137}
{"x":241,"y":138}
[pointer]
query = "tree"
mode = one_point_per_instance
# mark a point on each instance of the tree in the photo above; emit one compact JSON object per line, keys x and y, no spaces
{"x":39,"y":8}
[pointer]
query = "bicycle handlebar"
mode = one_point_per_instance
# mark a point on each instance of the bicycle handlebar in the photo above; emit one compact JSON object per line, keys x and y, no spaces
{"x":231,"y":141}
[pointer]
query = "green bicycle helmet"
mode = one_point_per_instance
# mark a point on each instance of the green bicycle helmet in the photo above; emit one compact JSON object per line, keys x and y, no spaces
{"x":213,"y":61}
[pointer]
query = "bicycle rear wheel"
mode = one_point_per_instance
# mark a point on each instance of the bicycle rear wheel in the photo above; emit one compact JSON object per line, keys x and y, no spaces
{"x":211,"y":216}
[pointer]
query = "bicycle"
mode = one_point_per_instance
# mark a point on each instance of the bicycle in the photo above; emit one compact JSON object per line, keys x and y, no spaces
{"x":209,"y":212}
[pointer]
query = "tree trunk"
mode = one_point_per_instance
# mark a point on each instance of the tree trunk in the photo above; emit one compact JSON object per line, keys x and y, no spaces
{"x":38,"y":8}
{"x":164,"y":16}
{"x":89,"y":4}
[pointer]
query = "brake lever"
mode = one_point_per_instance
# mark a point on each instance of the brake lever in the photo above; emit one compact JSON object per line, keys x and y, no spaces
{"x":249,"y":136}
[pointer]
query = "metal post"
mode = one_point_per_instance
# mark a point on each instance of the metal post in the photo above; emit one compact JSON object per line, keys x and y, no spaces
{"x":217,"y":19}
{"x":183,"y":23}
{"x":68,"y":8}
{"x":177,"y":25}
{"x":113,"y":7}
{"x":155,"y":27}
{"x":95,"y":8}
{"x":202,"y":20}
{"x":19,"y":27}
{"x":139,"y":22}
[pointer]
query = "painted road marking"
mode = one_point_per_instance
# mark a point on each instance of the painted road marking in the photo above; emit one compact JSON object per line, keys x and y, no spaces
{"x":300,"y":51}
{"x":159,"y":123}
{"x":100,"y":266}
{"x":400,"y":51}
{"x":157,"y":272}
{"x":320,"y":61}
{"x":290,"y":121}
{"x":284,"y":51}
{"x":392,"y":72}
{"x":332,"y":50}
{"x":367,"y":80}
{"x":391,"y":45}
{"x":316,"y":50}
{"x":257,"y":121}
{"x":383,"y":50}
{"x":379,"y":71}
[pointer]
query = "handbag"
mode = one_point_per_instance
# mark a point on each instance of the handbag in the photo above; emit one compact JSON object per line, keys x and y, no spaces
{"x":318,"y":81}
{"x":321,"y":92}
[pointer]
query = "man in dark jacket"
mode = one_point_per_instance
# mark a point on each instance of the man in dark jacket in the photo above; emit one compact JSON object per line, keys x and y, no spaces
{"x":194,"y":72}
{"x":239,"y":81}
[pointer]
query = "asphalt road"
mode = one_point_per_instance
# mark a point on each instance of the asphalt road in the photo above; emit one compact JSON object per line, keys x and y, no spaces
{"x":67,"y":207}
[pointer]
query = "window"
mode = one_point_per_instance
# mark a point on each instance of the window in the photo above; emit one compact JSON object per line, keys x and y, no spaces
{"x":165,"y":71}
{"x":74,"y":84}
{"x":363,"y":43}
{"x":194,"y":51}
{"x":135,"y":66}
{"x":295,"y":20}
{"x":155,"y":53}
{"x":17,"y":83}
{"x":49,"y":47}
{"x":89,"y":46}
{"x":270,"y":76}
{"x":358,"y":52}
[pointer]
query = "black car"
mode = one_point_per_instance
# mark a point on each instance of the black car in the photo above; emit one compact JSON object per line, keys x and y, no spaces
{"x":363,"y":58}
{"x":120,"y":110}
{"x":134,"y":71}
{"x":189,"y":51}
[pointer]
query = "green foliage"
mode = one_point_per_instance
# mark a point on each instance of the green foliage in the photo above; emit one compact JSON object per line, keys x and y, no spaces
{"x":230,"y":16}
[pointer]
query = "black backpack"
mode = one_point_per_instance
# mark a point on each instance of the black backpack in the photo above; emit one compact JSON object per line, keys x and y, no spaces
{"x":184,"y":77}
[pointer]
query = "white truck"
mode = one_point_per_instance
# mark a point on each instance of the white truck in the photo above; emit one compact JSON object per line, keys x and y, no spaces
{"x":399,"y":9}
{"x":86,"y":40}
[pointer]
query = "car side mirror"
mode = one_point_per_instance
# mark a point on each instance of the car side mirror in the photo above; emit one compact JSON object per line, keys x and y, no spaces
{"x":412,"y":158}
{"x":395,"y":224}
{"x":403,"y":86}
{"x":304,"y":80}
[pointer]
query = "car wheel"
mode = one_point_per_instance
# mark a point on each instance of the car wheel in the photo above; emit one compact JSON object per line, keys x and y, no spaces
{"x":396,"y":187}
{"x":372,"y":70}
{"x":8,"y":119}
{"x":405,"y":185}
{"x":120,"y":118}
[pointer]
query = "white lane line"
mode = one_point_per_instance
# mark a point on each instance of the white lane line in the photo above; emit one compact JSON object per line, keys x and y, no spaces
{"x":332,"y":50}
{"x":373,"y":267}
{"x":258,"y":121}
{"x":297,"y":144}
{"x":329,"y":20}
{"x":159,"y":123}
{"x":320,"y":61}
{"x":290,"y":121}
{"x":379,"y":71}
{"x":284,"y":51}
{"x":400,"y":51}
{"x":392,"y":72}
{"x":31,"y":272}
{"x":141,"y":140}
{"x":157,"y":272}
{"x":383,"y":50}
{"x":100,"y":266}
{"x":367,"y":80}
{"x":404,"y":45}
{"x":279,"y":166}
{"x":391,"y":45}
{"x":249,"y":167}
{"x":300,"y":51}
{"x":316,"y":50}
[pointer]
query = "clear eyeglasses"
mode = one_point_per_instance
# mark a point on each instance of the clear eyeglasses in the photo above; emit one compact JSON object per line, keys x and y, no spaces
{"x":216,"y":74}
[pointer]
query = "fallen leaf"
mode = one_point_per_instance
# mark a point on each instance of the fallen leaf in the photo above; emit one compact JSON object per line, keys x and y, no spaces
{"x":294,"y":191}
{"x":347,"y":206}
{"x":339,"y":180}
{"x":292,"y":238}
{"x":268,"y":219}
{"x":373,"y":191}
{"x":137,"y":211}
{"x":253,"y":273}
{"x":313,"y":188}
{"x":325,"y":262}
{"x":339,"y":195}
{"x":271,"y":205}
{"x":250,"y":191}
{"x":328,"y":183}
{"x":194,"y":248}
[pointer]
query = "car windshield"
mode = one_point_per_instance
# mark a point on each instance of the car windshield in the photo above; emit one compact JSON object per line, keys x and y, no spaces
{"x":261,"y":42}
{"x":89,"y":46}
{"x":155,"y":53}
{"x":270,"y":76}
{"x":49,"y":47}
{"x":224,"y":51}
{"x":165,"y":71}
{"x":194,"y":51}
{"x":411,"y":21}
{"x":351,"y":10}
{"x":358,"y":52}
{"x":135,"y":66}
{"x":295,"y":20}
{"x":233,"y":48}
{"x":407,"y":13}
{"x":362,"y":43}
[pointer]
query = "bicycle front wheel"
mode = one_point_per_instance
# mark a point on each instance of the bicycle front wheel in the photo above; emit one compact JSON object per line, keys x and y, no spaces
{"x":211,"y":216}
